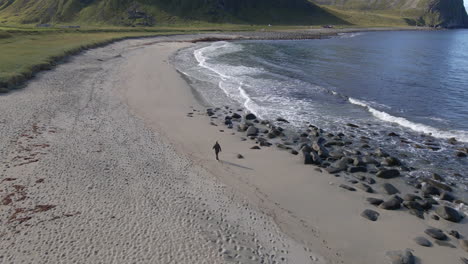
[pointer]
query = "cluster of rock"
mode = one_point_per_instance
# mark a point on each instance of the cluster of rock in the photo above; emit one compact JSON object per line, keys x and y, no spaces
{"x":362,"y":166}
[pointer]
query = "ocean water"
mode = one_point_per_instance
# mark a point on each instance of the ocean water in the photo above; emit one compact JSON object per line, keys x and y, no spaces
{"x":412,"y":83}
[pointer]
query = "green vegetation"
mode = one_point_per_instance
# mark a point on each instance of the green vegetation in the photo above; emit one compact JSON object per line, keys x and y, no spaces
{"x":24,"y":53}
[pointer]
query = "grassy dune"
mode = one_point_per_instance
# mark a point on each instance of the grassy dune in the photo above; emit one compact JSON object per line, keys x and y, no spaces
{"x":25,"y":52}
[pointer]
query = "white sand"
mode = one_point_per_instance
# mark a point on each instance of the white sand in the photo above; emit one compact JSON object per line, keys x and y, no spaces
{"x":133,"y":179}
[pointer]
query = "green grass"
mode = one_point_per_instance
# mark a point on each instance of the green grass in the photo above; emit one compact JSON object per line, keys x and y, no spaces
{"x":24,"y":54}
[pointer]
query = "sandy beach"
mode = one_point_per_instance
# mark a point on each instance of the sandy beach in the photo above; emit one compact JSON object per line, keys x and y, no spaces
{"x":101,"y":163}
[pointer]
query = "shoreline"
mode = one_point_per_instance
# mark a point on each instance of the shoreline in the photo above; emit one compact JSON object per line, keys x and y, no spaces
{"x":103,"y":163}
{"x":261,"y":174}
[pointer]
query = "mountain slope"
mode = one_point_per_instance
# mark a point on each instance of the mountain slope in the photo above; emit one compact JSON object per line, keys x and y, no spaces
{"x":444,"y":13}
{"x":149,"y":12}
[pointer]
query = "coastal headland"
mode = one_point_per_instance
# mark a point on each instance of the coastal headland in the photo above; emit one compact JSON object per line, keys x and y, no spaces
{"x":107,"y":158}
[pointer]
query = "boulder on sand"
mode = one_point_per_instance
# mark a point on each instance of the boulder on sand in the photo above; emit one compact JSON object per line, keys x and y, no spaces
{"x":252,"y":131}
{"x":448,"y":213}
{"x":389,"y":189}
{"x":422,"y":241}
{"x":250,"y":116}
{"x":387,"y":174}
{"x":401,"y":257}
{"x":370,"y":214}
{"x":392,"y":204}
{"x":435,"y":233}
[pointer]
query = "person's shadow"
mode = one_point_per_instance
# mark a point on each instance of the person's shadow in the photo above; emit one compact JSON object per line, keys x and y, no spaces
{"x":234,"y":164}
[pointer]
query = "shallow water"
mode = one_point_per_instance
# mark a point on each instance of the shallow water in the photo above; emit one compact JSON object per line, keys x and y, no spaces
{"x":411,"y":83}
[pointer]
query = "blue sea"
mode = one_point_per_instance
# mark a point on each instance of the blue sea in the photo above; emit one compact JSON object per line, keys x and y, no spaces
{"x":413,"y":83}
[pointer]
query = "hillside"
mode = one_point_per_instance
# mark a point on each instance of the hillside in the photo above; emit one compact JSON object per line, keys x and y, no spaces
{"x":153,"y":12}
{"x":444,"y":13}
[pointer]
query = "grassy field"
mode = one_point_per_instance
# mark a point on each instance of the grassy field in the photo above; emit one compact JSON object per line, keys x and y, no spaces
{"x":26,"y":50}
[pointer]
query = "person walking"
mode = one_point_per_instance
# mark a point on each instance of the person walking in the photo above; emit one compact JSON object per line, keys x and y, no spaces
{"x":217,"y":149}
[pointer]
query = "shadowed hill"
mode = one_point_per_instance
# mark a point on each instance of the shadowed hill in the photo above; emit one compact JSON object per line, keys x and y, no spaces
{"x":150,"y":12}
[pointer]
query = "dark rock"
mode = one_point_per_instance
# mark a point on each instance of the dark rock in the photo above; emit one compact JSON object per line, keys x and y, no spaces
{"x":374,"y":201}
{"x":357,"y":169}
{"x":391,"y":161}
{"x":448,"y":213}
{"x":411,"y":197}
{"x":352,"y":181}
{"x":294,"y":152}
{"x":352,"y":125}
{"x":250,"y":116}
{"x":242,"y":127}
{"x":370,"y":180}
{"x":439,"y":185}
{"x":364,"y":187}
{"x":413,"y":205}
{"x":239,"y":156}
{"x":431,"y":201}
{"x":393,"y":134}
{"x":429,"y":190}
{"x":461,"y":154}
{"x":437,"y":177}
{"x":391,"y":204}
{"x":435,"y":233}
{"x":308,"y":160}
{"x":389,"y":189}
{"x":426,"y":205}
{"x":316,"y":158}
{"x":252,"y":131}
{"x":333,"y":170}
{"x":444,"y":244}
{"x":280,"y":119}
{"x":265,"y":144}
{"x":380,"y":153}
{"x":369,"y":160}
{"x":236,"y":116}
{"x":349,"y":188}
{"x":455,"y":234}
{"x":370,"y":214}
{"x":435,"y":217}
{"x":387,"y":174}
{"x":422,"y":241}
{"x":417,"y":213}
{"x":444,"y":196}
{"x":255,"y":147}
{"x":401,"y":257}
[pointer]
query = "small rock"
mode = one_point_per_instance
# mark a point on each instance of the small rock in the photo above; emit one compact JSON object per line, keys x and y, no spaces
{"x":357,"y":169}
{"x":436,"y":233}
{"x":280,"y":119}
{"x":239,"y":156}
{"x":401,"y":257}
{"x":455,"y":234}
{"x":430,"y":190}
{"x":294,"y":152}
{"x":445,"y":196}
{"x":374,"y":201}
{"x":370,"y":214}
{"x":391,"y":204}
{"x":444,"y":244}
{"x":388,"y":174}
{"x":437,"y":177}
{"x":250,"y":116}
{"x":389,"y":189}
{"x":255,"y":147}
{"x":352,"y":125}
{"x":252,"y":131}
{"x":411,"y":197}
{"x":460,"y":154}
{"x":435,"y":217}
{"x":364,"y":187}
{"x":349,"y":188}
{"x":423,"y":242}
{"x":448,"y":213}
